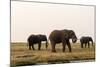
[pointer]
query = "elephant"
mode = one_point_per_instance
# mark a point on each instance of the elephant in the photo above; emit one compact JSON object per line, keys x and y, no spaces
{"x":36,"y":39}
{"x":62,"y":36}
{"x":86,"y":40}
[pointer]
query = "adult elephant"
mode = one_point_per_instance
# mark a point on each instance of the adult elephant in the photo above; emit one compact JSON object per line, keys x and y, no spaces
{"x":36,"y":39}
{"x":62,"y":36}
{"x":86,"y":40}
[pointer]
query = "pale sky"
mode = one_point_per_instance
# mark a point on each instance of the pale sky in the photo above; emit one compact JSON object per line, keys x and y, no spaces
{"x":41,"y":18}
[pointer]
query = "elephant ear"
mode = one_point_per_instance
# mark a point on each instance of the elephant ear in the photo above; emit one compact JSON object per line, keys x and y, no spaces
{"x":66,"y":36}
{"x":71,"y":32}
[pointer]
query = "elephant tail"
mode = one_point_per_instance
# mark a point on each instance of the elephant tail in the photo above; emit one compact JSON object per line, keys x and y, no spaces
{"x":46,"y":44}
{"x":92,"y":42}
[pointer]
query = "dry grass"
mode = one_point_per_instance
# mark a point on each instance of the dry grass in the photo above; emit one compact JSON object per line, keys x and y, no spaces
{"x":21,"y":55}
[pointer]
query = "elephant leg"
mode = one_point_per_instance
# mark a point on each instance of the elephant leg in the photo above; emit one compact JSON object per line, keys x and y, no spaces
{"x":64,"y":45}
{"x":85,"y":45}
{"x":53,"y":47}
{"x":30,"y":46}
{"x":88,"y":45}
{"x":33,"y":47}
{"x":39,"y":46}
{"x":69,"y":46}
{"x":81,"y":45}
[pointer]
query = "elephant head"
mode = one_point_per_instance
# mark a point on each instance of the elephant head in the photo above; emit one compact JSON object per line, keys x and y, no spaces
{"x":71,"y":35}
{"x":90,"y":39}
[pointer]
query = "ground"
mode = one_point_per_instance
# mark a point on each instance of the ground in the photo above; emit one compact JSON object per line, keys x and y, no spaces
{"x":21,"y":55}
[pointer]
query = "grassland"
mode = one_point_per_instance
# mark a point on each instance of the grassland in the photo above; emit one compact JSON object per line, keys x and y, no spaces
{"x":21,"y":55}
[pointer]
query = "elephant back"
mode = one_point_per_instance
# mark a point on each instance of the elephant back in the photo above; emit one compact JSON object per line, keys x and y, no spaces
{"x":33,"y":38}
{"x":42,"y":37}
{"x":57,"y":36}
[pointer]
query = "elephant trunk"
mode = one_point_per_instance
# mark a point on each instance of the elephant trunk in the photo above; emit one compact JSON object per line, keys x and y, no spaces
{"x":92,"y":42}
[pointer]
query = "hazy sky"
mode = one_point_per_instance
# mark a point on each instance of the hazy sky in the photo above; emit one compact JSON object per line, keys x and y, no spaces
{"x":41,"y":18}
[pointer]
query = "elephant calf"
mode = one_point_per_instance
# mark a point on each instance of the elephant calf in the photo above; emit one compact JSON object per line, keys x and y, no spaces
{"x":86,"y":40}
{"x":36,"y":39}
{"x":62,"y":36}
